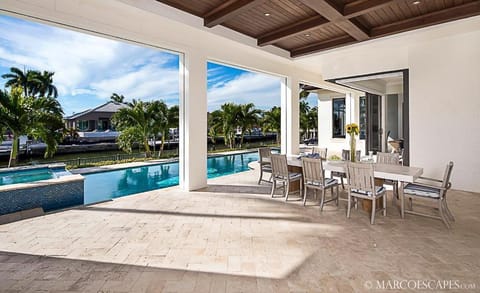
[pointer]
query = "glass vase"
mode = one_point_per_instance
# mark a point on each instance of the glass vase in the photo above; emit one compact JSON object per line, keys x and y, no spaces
{"x":353,"y":144}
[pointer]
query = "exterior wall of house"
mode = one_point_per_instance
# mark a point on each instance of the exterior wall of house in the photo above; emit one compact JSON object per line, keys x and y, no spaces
{"x":444,"y":92}
{"x":94,"y":120}
{"x":325,"y":127}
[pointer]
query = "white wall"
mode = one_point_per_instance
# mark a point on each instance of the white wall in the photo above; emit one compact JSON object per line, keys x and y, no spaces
{"x":445,"y":107}
{"x":444,"y":67}
{"x":325,"y":133}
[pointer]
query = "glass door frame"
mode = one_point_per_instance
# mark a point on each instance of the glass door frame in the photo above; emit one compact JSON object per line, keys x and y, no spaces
{"x":405,"y":107}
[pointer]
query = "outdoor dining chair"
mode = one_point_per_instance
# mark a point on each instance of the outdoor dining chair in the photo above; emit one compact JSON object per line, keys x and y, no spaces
{"x":322,"y":152}
{"x":280,"y":174}
{"x":389,"y":159}
{"x":361,"y":184}
{"x":314,"y":178}
{"x":345,"y":157}
{"x":432,"y":189}
{"x":264,"y":155}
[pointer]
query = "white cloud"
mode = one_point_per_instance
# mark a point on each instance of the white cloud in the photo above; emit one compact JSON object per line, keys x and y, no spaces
{"x":154,"y":83}
{"x":89,"y":69}
{"x":87,"y":65}
{"x":261,"y":89}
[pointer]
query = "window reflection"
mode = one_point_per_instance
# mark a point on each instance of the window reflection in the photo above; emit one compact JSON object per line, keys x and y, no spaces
{"x":338,"y":118}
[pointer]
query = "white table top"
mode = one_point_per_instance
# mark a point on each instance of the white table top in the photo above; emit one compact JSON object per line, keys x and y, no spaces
{"x":385,"y":171}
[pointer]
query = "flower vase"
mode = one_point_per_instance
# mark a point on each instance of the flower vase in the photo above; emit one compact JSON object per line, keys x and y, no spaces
{"x":353,"y":143}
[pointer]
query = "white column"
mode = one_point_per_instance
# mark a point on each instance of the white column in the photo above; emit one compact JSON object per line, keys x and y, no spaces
{"x":283,"y":108}
{"x":290,"y":116}
{"x":350,"y":108}
{"x":193,"y":121}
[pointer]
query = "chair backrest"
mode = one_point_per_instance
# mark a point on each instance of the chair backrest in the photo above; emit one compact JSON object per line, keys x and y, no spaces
{"x":312,"y":170}
{"x":388,"y":158}
{"x":279,"y":165}
{"x":346,"y":155}
{"x":264,"y":153}
{"x":360,"y":176}
{"x":321,"y":151}
{"x":446,"y":176}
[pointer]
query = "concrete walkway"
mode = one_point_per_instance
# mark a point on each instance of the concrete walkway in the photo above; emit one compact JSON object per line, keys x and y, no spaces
{"x":232,"y":237}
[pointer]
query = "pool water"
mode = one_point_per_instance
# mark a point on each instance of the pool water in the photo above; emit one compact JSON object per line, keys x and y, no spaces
{"x":32,"y":174}
{"x":107,"y":185}
{"x":24,"y":176}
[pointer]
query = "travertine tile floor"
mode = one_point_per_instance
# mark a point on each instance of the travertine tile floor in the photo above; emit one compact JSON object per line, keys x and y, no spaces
{"x":232,"y":237}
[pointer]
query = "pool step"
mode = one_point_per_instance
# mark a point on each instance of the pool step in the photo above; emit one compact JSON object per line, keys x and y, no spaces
{"x":21,"y":215}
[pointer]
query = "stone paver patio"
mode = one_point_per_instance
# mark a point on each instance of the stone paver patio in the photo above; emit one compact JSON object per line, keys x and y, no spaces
{"x":232,"y":237}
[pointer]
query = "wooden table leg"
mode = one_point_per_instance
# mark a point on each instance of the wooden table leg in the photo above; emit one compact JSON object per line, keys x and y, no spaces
{"x":367,"y":204}
{"x":294,"y":186}
{"x":402,"y":200}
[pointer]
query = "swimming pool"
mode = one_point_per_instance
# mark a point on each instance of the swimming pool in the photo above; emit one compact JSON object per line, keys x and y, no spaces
{"x":49,"y":187}
{"x":31,"y":174}
{"x":107,"y":185}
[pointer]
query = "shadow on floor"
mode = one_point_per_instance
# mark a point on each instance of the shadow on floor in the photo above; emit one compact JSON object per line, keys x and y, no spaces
{"x":48,"y":273}
{"x":187,"y":214}
{"x":224,"y":188}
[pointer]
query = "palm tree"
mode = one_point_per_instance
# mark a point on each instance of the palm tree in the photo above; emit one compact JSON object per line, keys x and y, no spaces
{"x":248,"y":118}
{"x":304,"y":94}
{"x":230,"y":114}
{"x":173,"y":118}
{"x":117,"y":98}
{"x":304,"y":123}
{"x":214,"y":125}
{"x":272,"y":121}
{"x":313,"y":120}
{"x":23,"y":115}
{"x":26,"y":80}
{"x":160,"y":122}
{"x":70,"y":134}
{"x":34,"y":83}
{"x":140,"y":122}
{"x":44,"y":86}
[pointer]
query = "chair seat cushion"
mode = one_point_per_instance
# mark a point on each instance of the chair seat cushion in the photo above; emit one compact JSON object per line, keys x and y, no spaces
{"x":327,"y":183}
{"x":420,"y":190}
{"x":378,"y":189}
{"x":338,"y":174}
{"x":267,"y":168}
{"x":291,"y":176}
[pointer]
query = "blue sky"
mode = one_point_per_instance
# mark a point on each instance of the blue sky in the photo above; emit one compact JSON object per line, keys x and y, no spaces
{"x":89,"y":69}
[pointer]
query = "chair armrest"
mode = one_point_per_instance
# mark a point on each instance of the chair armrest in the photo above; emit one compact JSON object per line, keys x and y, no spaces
{"x":430,"y":179}
{"x":430,"y":185}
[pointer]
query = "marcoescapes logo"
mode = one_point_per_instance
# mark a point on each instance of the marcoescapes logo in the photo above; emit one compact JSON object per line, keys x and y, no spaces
{"x":434,"y":285}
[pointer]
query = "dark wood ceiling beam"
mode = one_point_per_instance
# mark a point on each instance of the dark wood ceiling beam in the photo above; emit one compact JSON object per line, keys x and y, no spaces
{"x":325,"y":8}
{"x":360,"y":7}
{"x":292,"y":30}
{"x":437,"y":17}
{"x":321,"y":46}
{"x":229,"y":10}
{"x":442,"y":16}
{"x":330,"y":11}
{"x":353,"y":28}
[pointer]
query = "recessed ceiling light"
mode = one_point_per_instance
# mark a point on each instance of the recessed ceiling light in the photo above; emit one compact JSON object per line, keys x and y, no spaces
{"x":416,"y":2}
{"x":307,"y":35}
{"x":266,"y":14}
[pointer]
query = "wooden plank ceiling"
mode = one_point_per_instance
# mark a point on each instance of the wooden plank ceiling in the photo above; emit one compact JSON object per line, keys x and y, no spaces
{"x":305,"y":27}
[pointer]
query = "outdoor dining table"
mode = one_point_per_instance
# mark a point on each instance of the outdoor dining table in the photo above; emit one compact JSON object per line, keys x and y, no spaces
{"x":402,"y":174}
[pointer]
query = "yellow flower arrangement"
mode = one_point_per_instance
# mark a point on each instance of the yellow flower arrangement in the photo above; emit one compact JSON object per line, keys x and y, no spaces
{"x":352,"y":129}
